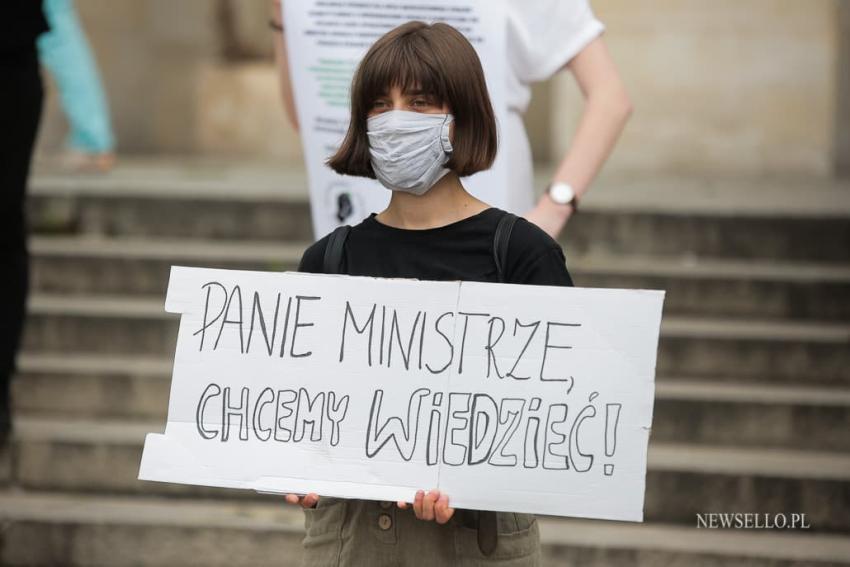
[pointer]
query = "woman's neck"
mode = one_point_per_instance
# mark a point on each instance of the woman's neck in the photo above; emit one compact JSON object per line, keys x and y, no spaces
{"x":444,"y":203}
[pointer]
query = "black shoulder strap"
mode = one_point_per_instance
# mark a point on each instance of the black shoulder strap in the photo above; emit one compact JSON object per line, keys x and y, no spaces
{"x":332,"y":263}
{"x":500,"y":243}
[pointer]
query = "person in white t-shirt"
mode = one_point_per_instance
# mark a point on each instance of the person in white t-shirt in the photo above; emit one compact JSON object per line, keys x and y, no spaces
{"x":543,"y":38}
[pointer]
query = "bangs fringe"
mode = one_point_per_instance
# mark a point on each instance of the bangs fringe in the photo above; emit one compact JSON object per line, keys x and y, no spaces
{"x":407,"y":64}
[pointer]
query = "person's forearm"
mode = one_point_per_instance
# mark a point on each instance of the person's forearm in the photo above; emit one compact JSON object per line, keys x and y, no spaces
{"x":282,"y":64}
{"x":603,"y":119}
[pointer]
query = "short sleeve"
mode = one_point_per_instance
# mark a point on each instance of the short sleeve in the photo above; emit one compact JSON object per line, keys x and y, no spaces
{"x":535,"y":258}
{"x":545,"y":35}
{"x":549,"y":268}
{"x":313,"y":259}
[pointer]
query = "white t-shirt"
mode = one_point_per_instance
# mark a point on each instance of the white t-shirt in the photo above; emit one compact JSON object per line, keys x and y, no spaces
{"x":542,"y":37}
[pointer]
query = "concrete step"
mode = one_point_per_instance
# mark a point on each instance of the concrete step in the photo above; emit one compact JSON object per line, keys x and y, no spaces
{"x":756,"y":415}
{"x":711,"y":348}
{"x":683,"y":480}
{"x":686,"y":410}
{"x":765,"y":289}
{"x":78,"y":530}
{"x":93,"y":386}
{"x":802,"y":220}
{"x":118,"y":531}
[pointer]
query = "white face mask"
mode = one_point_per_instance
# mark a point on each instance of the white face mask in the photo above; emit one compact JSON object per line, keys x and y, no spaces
{"x":409,"y":149}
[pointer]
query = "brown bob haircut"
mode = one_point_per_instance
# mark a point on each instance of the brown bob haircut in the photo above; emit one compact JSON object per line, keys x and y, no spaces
{"x":432,"y":59}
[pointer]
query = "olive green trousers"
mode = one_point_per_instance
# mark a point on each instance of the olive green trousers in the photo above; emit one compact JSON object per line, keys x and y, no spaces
{"x":374,"y":534}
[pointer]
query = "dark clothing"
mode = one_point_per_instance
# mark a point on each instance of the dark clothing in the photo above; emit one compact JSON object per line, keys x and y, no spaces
{"x":352,"y":532}
{"x":22,"y":22}
{"x":21,"y":96}
{"x":459,"y":251}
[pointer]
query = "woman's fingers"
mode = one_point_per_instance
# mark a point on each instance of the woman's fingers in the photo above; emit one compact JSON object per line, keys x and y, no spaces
{"x":428,"y":505}
{"x":306,"y":501}
{"x":310,"y":500}
{"x":402,"y":504}
{"x":417,"y":503}
{"x":431,"y":506}
{"x":442,"y":512}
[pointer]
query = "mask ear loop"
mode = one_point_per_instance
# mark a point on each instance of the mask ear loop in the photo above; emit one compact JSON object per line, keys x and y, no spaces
{"x":445,"y":140}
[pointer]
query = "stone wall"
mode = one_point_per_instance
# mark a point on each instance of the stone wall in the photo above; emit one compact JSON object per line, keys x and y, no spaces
{"x":721,"y":86}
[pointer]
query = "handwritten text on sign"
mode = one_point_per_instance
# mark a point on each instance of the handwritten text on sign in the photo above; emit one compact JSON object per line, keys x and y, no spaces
{"x":506,"y":397}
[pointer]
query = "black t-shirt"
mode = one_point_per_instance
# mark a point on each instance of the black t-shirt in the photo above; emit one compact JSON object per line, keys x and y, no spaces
{"x":462,"y":250}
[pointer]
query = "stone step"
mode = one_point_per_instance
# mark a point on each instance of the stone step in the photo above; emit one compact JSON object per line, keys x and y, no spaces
{"x":741,"y":349}
{"x":682,"y":480}
{"x":765,"y":289}
{"x":80,"y":530}
{"x":93,"y":386}
{"x":692,"y":411}
{"x":757,"y":415}
{"x":49,"y":529}
{"x":760,"y":218}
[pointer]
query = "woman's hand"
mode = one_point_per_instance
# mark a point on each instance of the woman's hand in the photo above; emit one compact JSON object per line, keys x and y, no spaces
{"x":431,"y":506}
{"x":305,"y":501}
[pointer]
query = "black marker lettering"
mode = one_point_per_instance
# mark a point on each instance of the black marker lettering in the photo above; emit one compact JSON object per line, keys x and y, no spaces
{"x":257,"y":310}
{"x":298,"y":325}
{"x":211,"y":391}
{"x":284,"y":412}
{"x":551,"y":459}
{"x":448,"y":342}
{"x":336,"y":413}
{"x":228,"y":411}
{"x":547,"y":345}
{"x":309,"y":412}
{"x":483,"y":413}
{"x":451,"y":455}
{"x":533,"y":326}
{"x":262,"y":433}
{"x":403,"y":435}
{"x":463,"y":337}
{"x":370,"y":322}
{"x":207,"y":322}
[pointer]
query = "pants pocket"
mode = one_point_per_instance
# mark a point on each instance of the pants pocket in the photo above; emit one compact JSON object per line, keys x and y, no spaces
{"x":323,"y":532}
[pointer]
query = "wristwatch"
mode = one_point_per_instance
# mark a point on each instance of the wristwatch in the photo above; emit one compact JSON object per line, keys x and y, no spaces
{"x":563,"y":194}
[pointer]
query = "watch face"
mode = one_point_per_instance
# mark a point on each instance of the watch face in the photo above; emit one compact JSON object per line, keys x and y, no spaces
{"x":561,"y":193}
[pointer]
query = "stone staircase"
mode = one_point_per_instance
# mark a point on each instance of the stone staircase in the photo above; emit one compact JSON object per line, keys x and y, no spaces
{"x":752,"y":409}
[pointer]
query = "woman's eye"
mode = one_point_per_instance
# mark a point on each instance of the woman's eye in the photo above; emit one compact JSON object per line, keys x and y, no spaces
{"x":420,"y":102}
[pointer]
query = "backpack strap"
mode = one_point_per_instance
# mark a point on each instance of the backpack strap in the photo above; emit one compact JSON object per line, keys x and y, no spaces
{"x":501,"y":239}
{"x":332,"y":263}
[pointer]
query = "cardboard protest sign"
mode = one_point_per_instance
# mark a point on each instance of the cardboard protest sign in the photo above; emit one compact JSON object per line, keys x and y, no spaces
{"x":325,"y":42}
{"x":506,"y":397}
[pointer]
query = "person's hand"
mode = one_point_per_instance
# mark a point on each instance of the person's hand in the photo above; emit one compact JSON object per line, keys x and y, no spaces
{"x":549,"y":216}
{"x":432,"y":506}
{"x":305,"y":501}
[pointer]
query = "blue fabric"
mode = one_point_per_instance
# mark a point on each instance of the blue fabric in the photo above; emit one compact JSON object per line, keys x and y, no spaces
{"x":66,"y":54}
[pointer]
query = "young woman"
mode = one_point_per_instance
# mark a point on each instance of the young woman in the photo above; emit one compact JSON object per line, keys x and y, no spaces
{"x":420,"y":120}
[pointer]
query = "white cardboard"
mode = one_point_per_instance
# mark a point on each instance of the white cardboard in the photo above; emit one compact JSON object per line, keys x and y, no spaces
{"x":594,"y":392}
{"x":325,"y":43}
